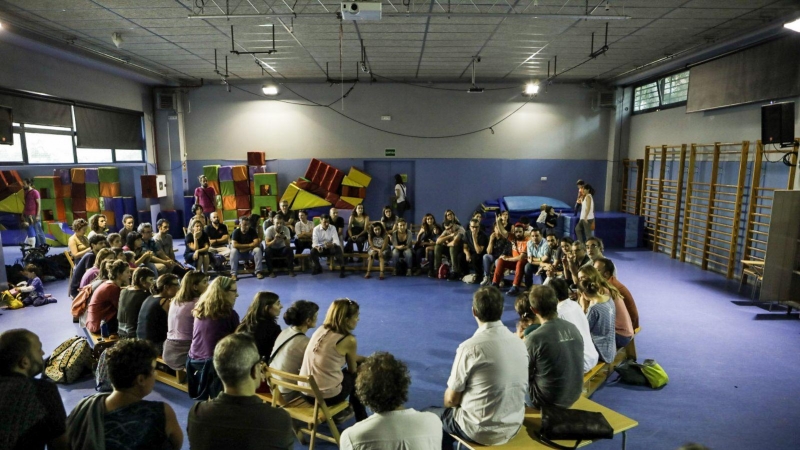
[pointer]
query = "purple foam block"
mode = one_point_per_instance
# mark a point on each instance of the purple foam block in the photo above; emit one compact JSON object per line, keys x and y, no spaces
{"x":226,"y":173}
{"x":63,"y":174}
{"x":256,"y":169}
{"x":91,"y":176}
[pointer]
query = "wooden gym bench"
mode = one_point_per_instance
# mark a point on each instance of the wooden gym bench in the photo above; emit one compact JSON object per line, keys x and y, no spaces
{"x":593,"y":379}
{"x":174,"y":378}
{"x":99,"y":343}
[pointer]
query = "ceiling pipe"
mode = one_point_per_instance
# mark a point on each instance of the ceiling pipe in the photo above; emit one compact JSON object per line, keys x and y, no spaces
{"x":415,"y":14}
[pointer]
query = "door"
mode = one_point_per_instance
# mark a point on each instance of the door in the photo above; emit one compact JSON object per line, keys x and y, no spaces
{"x":381,"y":188}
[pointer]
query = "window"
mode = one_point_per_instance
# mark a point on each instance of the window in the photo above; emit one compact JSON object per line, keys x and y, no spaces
{"x":49,"y":148}
{"x":130,"y":155}
{"x":94,"y":155}
{"x":668,"y":91}
{"x":12,"y":153}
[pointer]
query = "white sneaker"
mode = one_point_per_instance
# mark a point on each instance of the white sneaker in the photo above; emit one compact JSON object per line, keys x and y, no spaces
{"x":486,"y":281}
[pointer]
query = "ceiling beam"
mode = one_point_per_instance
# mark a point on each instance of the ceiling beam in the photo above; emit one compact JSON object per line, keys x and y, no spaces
{"x":508,"y":15}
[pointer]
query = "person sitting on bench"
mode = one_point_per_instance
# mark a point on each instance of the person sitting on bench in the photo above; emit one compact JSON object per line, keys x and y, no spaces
{"x":517,"y":260}
{"x":277,"y":244}
{"x":607,"y":269}
{"x":96,"y":242}
{"x":245,"y":244}
{"x":576,"y":260}
{"x":325,"y":242}
{"x":600,"y":314}
{"x":571,"y":311}
{"x":538,"y":254}
{"x":104,"y":304}
{"x":623,"y":328}
{"x":218,"y":236}
{"x":475,"y":242}
{"x":555,"y":350}
{"x":303,"y":229}
{"x":449,"y":241}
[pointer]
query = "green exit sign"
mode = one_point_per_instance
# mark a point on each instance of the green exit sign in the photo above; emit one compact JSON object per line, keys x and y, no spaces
{"x":390,"y":152}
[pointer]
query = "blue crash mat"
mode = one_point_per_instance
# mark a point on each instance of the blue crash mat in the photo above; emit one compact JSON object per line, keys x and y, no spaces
{"x":527,"y":203}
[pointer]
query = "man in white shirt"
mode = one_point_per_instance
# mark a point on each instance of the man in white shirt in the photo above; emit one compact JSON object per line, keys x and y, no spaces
{"x":572,"y":312}
{"x":303,"y":230}
{"x":325,"y":242}
{"x":382,"y":384}
{"x":485,"y":397}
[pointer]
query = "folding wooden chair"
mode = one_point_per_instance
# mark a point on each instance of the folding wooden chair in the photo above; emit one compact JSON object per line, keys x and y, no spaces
{"x":313,"y":415}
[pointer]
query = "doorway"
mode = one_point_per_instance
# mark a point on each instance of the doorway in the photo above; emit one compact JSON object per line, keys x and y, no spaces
{"x":381,"y":188}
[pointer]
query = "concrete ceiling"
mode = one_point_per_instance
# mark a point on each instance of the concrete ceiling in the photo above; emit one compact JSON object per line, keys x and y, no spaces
{"x":430,"y":44}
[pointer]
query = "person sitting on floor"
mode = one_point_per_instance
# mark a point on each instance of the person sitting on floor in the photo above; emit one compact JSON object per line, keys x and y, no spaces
{"x":214,"y":318}
{"x":104,"y":304}
{"x":517,"y":260}
{"x":261,"y":322}
{"x":33,"y":413}
{"x":382,"y":384}
{"x":123,"y":419}
{"x":475,"y":243}
{"x":33,"y":293}
{"x":607,"y":270}
{"x":127,"y":226}
{"x":538,"y":253}
{"x":277,"y":244}
{"x":197,"y":246}
{"x":290,"y":346}
{"x":78,"y":243}
{"x":153,"y":315}
{"x":303,"y":230}
{"x":378,"y":247}
{"x":449,"y":241}
{"x":131,"y":300}
{"x":97,"y":243}
{"x":485,"y":397}
{"x":325,"y":242}
{"x":572,"y":312}
{"x":601,"y":316}
{"x":555,"y":350}
{"x":332,"y":347}
{"x":402,"y":244}
{"x":623,"y":326}
{"x":357,"y":233}
{"x":245,"y":244}
{"x":237,"y":418}
{"x":180,"y":321}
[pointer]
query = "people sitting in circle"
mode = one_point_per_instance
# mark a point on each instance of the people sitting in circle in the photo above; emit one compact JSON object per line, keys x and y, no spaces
{"x":277,"y":244}
{"x":261,"y":321}
{"x":357,"y":232}
{"x":325,"y":242}
{"x":128,"y":224}
{"x":449,"y":241}
{"x":104,"y":303}
{"x":123,"y":419}
{"x":180,"y":321}
{"x":246,"y":245}
{"x":426,"y":241}
{"x":332,"y":347}
{"x":78,"y":243}
{"x":237,"y":418}
{"x":378,"y":248}
{"x":197,"y":216}
{"x":601,"y":315}
{"x":475,"y":244}
{"x":131,"y":299}
{"x":304,"y":230}
{"x":388,"y":219}
{"x":572,"y":312}
{"x":402,"y":246}
{"x":153,"y":315}
{"x":607,"y":269}
{"x":623,"y":327}
{"x":538,"y":253}
{"x":97,"y":225}
{"x":382,"y":385}
{"x":517,"y":260}
{"x":197,"y":248}
{"x":290,"y":346}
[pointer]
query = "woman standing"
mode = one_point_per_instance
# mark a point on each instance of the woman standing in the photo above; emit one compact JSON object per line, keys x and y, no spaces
{"x":401,"y":193}
{"x":78,"y":243}
{"x":357,"y":230}
{"x":287,"y":353}
{"x":331,"y":347}
{"x":97,"y":224}
{"x":104,"y":303}
{"x":197,"y":245}
{"x":402,"y":243}
{"x":214,"y":318}
{"x":154,"y":313}
{"x":130,"y":301}
{"x":261,"y":322}
{"x":585,"y":228}
{"x":378,"y":247}
{"x":180,"y":321}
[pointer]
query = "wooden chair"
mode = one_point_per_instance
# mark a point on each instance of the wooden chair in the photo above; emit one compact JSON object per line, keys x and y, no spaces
{"x":313,"y":415}
{"x":755,"y":269}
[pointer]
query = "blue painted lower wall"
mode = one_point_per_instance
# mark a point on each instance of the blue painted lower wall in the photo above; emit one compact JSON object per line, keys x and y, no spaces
{"x":460,"y":184}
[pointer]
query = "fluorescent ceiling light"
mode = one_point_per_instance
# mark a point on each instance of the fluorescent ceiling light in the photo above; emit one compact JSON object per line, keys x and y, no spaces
{"x":794,"y":26}
{"x":531,"y":88}
{"x":269,"y":90}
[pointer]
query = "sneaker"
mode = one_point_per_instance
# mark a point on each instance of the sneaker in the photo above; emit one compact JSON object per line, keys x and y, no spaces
{"x":486,"y":281}
{"x":272,"y":275}
{"x":343,"y":416}
{"x":260,"y":275}
{"x":513,"y":291}
{"x":233,"y":277}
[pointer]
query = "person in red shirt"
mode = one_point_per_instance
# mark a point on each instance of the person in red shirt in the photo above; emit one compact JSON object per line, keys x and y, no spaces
{"x":517,"y":260}
{"x":33,"y":210}
{"x":205,"y":196}
{"x":105,"y":299}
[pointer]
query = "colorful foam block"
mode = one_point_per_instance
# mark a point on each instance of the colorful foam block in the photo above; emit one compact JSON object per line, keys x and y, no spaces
{"x":347,"y":181}
{"x":242,"y":188}
{"x":290,"y":193}
{"x":66,"y":191}
{"x":111,"y":218}
{"x":242,"y":202}
{"x":256,"y":158}
{"x":211,"y":173}
{"x":63,"y":174}
{"x":307,"y":200}
{"x":78,"y":204}
{"x":81,"y":215}
{"x":341,"y":204}
{"x":253,"y":170}
{"x":79,"y":190}
{"x":243,"y":212}
{"x":108,"y":174}
{"x":92,"y":205}
{"x":108,"y":189}
{"x":332,"y":197}
{"x":92,"y":190}
{"x":229,"y":215}
{"x":352,"y":200}
{"x":240,"y":173}
{"x":265,"y":183}
{"x":59,"y":231}
{"x":333,"y":183}
{"x":91,"y":176}
{"x":78,"y":176}
{"x":228,"y":202}
{"x":264,"y":203}
{"x":349,"y":191}
{"x":48,"y":187}
{"x":359,"y":177}
{"x":12,"y":177}
{"x":227,"y":188}
{"x":48,"y":204}
{"x":312,"y":168}
{"x":225,"y":173}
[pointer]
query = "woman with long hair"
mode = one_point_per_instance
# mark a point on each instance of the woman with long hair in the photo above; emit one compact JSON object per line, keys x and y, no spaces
{"x":378,"y":247}
{"x":197,"y":215}
{"x":197,"y":245}
{"x":287,"y":353}
{"x":357,"y":232}
{"x":261,"y":321}
{"x":214,"y":318}
{"x":93,"y":272}
{"x":623,"y":325}
{"x":402,"y":243}
{"x":332,"y":347}
{"x":428,"y":232}
{"x":388,"y":219}
{"x":79,"y":243}
{"x":131,"y":299}
{"x":104,"y":303}
{"x":97,"y":225}
{"x":451,"y":215}
{"x":585,"y":228}
{"x":154,"y":313}
{"x":601,"y":316}
{"x":401,"y":193}
{"x":180,"y":321}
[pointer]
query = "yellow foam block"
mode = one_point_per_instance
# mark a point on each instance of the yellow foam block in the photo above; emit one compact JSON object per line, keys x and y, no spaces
{"x":353,"y":200}
{"x":359,"y":177}
{"x":347,"y":181}
{"x":290,"y":193}
{"x":307,"y":200}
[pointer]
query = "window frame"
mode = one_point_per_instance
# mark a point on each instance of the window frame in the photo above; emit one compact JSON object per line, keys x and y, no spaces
{"x":660,"y":84}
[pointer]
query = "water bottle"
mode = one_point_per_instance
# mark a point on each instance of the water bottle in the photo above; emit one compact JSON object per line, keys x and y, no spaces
{"x":104,"y":331}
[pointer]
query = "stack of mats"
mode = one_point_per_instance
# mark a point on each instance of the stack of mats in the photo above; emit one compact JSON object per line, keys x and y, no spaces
{"x":234,"y":188}
{"x":325,"y":185}
{"x":263,"y":185}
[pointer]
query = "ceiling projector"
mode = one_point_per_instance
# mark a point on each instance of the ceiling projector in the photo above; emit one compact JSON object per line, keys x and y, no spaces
{"x":361,"y":10}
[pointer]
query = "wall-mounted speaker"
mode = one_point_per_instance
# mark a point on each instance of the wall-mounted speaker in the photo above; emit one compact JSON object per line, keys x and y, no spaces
{"x":777,"y":124}
{"x":6,"y":126}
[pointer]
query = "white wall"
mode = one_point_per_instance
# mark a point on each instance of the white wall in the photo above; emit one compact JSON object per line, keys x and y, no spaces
{"x":557,"y":125}
{"x":674,"y":127}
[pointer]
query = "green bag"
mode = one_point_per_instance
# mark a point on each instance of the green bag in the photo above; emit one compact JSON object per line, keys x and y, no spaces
{"x":655,"y":374}
{"x":649,"y":373}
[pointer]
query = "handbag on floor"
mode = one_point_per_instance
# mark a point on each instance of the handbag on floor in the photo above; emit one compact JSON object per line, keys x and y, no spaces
{"x":649,"y":373}
{"x":572,"y":425}
{"x":69,"y":361}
